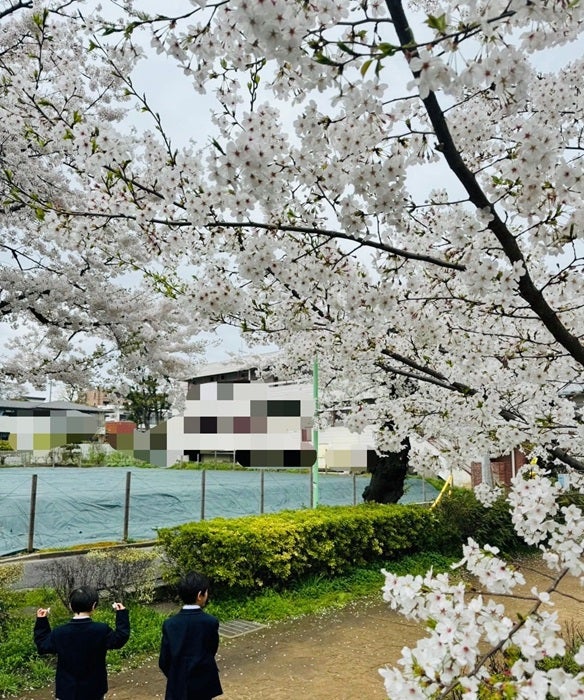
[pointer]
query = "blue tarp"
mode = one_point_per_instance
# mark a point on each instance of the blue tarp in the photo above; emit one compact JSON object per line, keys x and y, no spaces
{"x":81,"y":505}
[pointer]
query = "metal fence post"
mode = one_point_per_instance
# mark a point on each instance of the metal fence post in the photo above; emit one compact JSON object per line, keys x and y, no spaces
{"x":127,"y":507}
{"x":262,"y":492}
{"x":354,"y":489}
{"x":33,"y":493}
{"x":203,"y":485}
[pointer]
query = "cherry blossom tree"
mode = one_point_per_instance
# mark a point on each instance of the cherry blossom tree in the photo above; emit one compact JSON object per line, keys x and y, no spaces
{"x":462,"y":304}
{"x":79,"y":300}
{"x":394,"y":189}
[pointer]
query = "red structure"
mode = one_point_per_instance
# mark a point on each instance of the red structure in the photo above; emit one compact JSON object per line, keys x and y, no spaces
{"x":503,"y":468}
{"x":116,"y":432}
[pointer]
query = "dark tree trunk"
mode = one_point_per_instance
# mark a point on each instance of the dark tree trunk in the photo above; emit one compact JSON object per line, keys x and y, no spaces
{"x":388,"y":475}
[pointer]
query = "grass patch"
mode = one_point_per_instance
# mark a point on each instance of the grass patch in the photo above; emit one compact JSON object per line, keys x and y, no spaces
{"x":211,"y":465}
{"x":218,"y":466}
{"x":320,"y":593}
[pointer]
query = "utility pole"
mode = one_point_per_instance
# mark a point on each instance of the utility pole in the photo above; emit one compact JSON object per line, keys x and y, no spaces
{"x":315,"y":434}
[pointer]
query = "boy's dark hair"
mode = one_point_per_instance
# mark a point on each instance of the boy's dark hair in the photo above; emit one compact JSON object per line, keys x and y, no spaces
{"x":191,"y":585}
{"x":83,"y":599}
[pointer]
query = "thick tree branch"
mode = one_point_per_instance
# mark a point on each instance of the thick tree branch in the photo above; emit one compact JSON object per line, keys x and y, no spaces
{"x":423,"y":373}
{"x":564,"y":457}
{"x":527,"y":288}
{"x":24,"y":4}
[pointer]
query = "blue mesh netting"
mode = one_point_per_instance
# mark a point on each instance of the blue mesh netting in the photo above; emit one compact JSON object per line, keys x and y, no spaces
{"x":78,"y":506}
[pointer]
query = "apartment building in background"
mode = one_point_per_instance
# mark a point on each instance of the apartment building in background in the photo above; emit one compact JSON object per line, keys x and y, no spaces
{"x":234,"y":412}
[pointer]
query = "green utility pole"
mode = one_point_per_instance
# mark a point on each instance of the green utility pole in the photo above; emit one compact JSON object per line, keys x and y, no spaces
{"x":315,"y":434}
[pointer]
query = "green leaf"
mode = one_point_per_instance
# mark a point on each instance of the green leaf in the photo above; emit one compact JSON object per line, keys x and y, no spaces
{"x":129,"y":30}
{"x":324,"y":60}
{"x":365,"y":67}
{"x":437,"y":23}
{"x":218,"y":146}
{"x":39,"y":18}
{"x":347,"y":49}
{"x":387,"y":49}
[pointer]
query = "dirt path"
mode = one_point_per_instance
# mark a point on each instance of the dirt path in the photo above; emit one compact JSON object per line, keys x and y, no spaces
{"x":333,"y":656}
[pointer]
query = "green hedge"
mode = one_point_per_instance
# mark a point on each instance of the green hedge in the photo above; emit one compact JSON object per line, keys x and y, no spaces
{"x":244,"y":554}
{"x":461,"y":516}
{"x":274,"y":550}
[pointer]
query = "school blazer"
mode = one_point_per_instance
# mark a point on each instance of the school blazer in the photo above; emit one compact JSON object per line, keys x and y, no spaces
{"x":190,"y":640}
{"x":81,"y":647}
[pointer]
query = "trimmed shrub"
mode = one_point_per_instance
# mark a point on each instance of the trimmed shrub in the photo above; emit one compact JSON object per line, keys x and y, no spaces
{"x":244,"y":554}
{"x":120,"y":459}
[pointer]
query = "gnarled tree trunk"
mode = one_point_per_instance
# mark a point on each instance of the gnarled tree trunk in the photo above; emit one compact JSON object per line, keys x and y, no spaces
{"x":388,"y":475}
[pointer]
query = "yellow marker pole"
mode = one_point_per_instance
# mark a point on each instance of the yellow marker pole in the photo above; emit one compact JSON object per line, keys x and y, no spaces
{"x":447,"y":487}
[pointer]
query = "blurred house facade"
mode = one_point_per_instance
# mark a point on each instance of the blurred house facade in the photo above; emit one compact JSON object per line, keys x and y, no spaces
{"x":234,"y":412}
{"x":35,"y":428}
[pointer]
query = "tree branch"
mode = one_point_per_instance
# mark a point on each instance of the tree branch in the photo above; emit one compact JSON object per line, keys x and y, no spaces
{"x":182,"y":223}
{"x":517,"y":626}
{"x":467,"y":179}
{"x":24,"y":4}
{"x":430,"y":376}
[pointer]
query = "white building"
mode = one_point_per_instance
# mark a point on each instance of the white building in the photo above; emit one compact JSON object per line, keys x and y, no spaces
{"x":232,"y":412}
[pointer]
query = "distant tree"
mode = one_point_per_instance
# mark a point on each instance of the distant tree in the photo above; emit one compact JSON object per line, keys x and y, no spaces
{"x":5,"y":447}
{"x":145,"y":401}
{"x":73,"y":392}
{"x":10,"y":389}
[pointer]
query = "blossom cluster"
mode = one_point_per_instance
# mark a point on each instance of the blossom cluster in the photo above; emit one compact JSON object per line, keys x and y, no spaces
{"x":464,"y":630}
